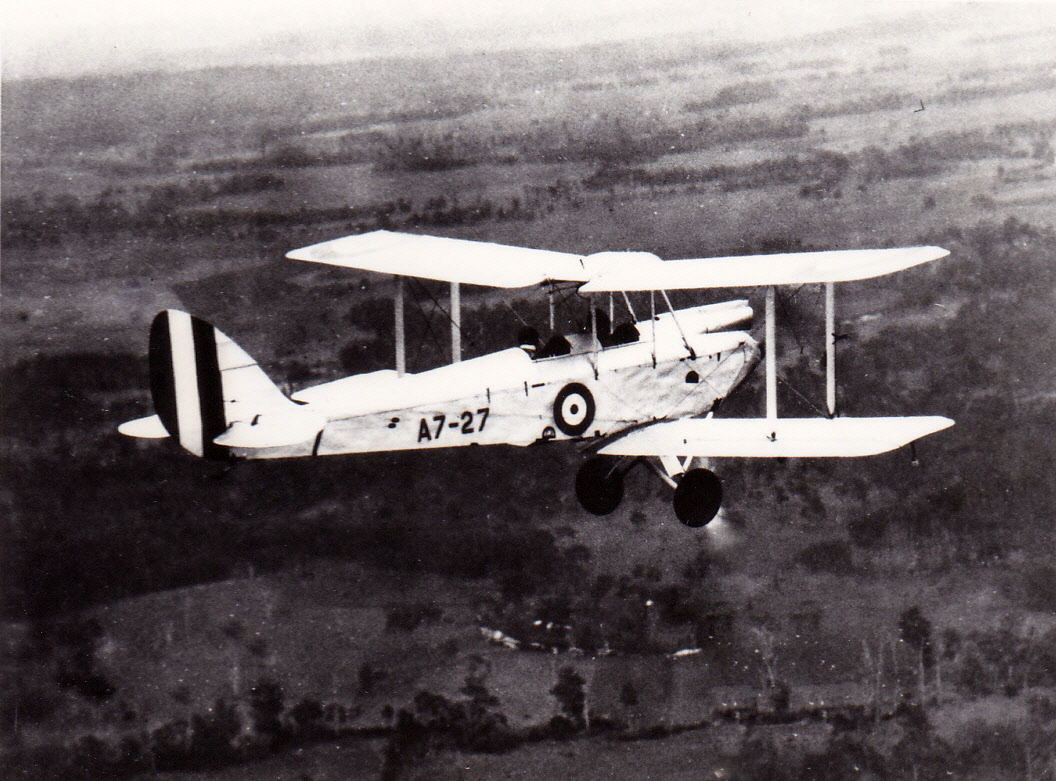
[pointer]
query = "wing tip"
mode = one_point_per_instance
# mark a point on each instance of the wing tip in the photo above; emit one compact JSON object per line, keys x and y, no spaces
{"x":934,"y":252}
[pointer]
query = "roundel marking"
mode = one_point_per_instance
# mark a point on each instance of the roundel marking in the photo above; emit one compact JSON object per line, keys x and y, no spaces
{"x":574,"y":409}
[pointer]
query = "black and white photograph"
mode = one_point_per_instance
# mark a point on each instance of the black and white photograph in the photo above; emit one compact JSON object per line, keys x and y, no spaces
{"x":400,"y":391}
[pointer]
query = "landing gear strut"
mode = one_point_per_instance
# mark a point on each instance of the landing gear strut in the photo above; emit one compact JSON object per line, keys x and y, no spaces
{"x":698,"y":497}
{"x":599,"y":484}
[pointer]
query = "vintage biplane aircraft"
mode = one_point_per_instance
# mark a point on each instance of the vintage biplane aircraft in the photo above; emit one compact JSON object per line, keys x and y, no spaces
{"x":644,"y":389}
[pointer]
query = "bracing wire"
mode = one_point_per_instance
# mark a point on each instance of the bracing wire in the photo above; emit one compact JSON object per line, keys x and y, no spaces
{"x":427,"y":318}
{"x":447,"y":314}
{"x":516,"y":313}
{"x":806,"y":400}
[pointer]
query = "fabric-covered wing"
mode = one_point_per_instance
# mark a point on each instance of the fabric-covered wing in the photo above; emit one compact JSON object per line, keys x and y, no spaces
{"x":442,"y":258}
{"x":775,"y":438}
{"x":751,"y":270}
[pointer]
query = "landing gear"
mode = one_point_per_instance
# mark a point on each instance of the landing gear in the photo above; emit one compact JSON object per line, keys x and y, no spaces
{"x":599,"y":485}
{"x":698,"y":497}
{"x":599,"y":488}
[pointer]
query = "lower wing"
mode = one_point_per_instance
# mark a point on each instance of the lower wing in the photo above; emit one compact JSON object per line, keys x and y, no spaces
{"x":775,"y":438}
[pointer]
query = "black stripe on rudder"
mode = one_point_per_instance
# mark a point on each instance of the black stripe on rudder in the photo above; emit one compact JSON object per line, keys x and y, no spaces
{"x":162,"y":376}
{"x":210,"y":388}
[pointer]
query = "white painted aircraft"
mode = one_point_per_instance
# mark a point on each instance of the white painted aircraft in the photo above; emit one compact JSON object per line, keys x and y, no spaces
{"x":643,"y":390}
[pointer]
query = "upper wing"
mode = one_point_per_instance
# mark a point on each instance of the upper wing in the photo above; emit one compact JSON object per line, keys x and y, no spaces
{"x":751,"y":270}
{"x":501,"y":265}
{"x":450,"y":260}
{"x":775,"y":438}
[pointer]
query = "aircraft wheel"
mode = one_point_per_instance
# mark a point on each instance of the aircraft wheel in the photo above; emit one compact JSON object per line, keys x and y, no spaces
{"x":599,"y":487}
{"x":698,"y":497}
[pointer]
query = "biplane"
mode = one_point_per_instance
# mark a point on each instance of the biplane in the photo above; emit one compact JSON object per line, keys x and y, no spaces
{"x":641,"y":390}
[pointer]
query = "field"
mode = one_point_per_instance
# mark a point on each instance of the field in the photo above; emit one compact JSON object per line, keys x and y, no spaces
{"x":353,"y":616}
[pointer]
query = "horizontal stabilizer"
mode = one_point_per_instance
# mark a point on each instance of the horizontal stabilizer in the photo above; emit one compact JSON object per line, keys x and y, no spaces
{"x":775,"y":438}
{"x":149,"y":427}
{"x":793,"y":268}
{"x":442,"y":258}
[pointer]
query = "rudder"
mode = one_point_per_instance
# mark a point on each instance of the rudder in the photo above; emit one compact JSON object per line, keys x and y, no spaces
{"x":203,"y":384}
{"x":185,"y":381}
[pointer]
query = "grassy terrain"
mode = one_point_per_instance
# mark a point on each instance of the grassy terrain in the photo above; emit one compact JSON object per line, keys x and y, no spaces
{"x":167,"y":614}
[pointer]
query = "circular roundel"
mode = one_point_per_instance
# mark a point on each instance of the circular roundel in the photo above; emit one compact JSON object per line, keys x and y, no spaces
{"x":574,"y":409}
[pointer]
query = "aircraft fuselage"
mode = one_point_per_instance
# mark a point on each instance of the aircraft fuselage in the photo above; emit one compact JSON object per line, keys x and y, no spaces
{"x":508,"y":397}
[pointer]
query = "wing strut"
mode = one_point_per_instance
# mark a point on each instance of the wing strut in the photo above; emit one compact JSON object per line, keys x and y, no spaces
{"x":456,"y":322}
{"x":652,"y":317}
{"x":771,"y":356}
{"x":830,"y":348}
{"x":627,"y":300}
{"x":401,"y":337}
{"x":678,"y":325}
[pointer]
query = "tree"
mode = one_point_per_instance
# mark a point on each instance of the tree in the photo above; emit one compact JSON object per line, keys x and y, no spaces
{"x":213,"y":735}
{"x":308,"y":719}
{"x":915,"y":630}
{"x":265,"y":701}
{"x":570,"y":694}
{"x":629,"y":700}
{"x":628,"y":695}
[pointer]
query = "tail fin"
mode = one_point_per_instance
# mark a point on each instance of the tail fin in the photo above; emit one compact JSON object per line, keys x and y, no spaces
{"x":211,"y":395}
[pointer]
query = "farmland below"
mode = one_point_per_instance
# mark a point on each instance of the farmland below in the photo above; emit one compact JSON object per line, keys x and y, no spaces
{"x":455,"y":614}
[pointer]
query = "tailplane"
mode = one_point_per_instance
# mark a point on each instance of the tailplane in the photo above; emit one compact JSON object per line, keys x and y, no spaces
{"x":210,"y":395}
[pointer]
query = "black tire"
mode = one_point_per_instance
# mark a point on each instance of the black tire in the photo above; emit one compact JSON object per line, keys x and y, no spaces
{"x":698,"y":497}
{"x":599,"y":487}
{"x":574,"y":409}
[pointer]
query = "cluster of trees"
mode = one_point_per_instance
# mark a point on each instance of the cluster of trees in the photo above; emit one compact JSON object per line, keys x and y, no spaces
{"x":262,"y":721}
{"x":434,"y":723}
{"x":175,"y":210}
{"x":1042,"y":79}
{"x":420,"y":152}
{"x":40,"y":220}
{"x":862,"y":105}
{"x":172,"y":212}
{"x":903,"y":743}
{"x":612,"y":142}
{"x":607,"y":139}
{"x":438,"y":107}
{"x":823,"y":173}
{"x":976,"y":496}
{"x":230,"y":731}
{"x":735,"y":95}
{"x":821,"y":168}
{"x":895,"y":740}
{"x":905,"y":747}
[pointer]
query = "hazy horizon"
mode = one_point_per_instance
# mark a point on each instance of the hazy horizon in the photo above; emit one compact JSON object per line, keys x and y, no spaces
{"x":62,"y":39}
